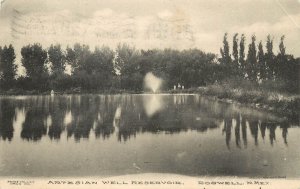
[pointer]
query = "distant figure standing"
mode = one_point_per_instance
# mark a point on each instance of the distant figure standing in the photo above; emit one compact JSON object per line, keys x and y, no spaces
{"x":179,"y":86}
{"x":182,"y":87}
{"x":174,"y":87}
{"x":52,"y":93}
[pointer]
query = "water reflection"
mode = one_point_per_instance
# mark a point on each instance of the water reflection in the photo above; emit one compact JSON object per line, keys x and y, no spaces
{"x":244,"y":131}
{"x":253,"y":124}
{"x":237,"y":131}
{"x":227,"y":130}
{"x":152,"y":104}
{"x":7,"y":115}
{"x":127,"y":116}
{"x":35,"y":125}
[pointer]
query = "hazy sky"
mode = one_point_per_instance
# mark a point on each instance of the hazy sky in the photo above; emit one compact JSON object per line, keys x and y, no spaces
{"x":149,"y":24}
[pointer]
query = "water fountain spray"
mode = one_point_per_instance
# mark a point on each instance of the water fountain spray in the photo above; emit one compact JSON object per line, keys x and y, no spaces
{"x":152,"y":82}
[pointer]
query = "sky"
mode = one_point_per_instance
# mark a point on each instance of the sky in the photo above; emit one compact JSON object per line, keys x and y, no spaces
{"x":179,"y":24}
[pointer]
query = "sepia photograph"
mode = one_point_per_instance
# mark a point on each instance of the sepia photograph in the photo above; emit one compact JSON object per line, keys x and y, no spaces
{"x":197,"y":94}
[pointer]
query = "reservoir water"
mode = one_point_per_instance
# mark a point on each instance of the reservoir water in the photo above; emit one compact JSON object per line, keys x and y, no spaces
{"x":110,"y":135}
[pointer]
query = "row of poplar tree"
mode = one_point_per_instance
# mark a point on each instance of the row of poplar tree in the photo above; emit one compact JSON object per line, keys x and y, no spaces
{"x":79,"y":68}
{"x":259,"y":65}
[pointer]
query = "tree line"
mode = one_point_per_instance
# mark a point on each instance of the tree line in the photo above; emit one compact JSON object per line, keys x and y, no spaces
{"x":78,"y":68}
{"x":260,"y":66}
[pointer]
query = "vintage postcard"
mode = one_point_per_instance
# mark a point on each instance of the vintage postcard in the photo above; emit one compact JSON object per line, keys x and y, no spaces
{"x":200,"y":94}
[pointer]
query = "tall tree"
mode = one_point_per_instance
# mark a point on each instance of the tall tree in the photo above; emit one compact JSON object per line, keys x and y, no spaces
{"x":270,"y":58}
{"x":77,"y":56}
{"x":261,"y":62}
{"x":57,"y":59}
{"x":126,"y":62}
{"x":99,"y":68}
{"x":7,"y":67}
{"x":242,"y":54}
{"x":34,"y":61}
{"x":291,"y":74}
{"x":282,"y":66}
{"x":282,"y":46}
{"x":251,"y":60}
{"x":0,"y":60}
{"x":235,"y":54}
{"x":226,"y":58}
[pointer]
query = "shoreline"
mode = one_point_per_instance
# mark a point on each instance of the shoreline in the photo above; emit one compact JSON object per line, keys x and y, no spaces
{"x":283,"y":104}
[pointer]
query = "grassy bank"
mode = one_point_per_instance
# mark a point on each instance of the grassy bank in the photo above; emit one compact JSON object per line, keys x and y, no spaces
{"x":278,"y":102}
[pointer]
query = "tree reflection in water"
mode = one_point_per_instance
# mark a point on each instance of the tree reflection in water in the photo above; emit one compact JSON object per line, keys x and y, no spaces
{"x":7,"y":114}
{"x":237,"y":131}
{"x":79,"y":116}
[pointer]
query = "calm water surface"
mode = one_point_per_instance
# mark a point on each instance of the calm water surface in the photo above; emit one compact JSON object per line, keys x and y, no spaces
{"x":105,"y":135}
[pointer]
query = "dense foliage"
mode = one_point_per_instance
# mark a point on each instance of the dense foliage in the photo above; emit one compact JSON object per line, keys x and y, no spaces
{"x":80,"y":69}
{"x":280,"y":71}
{"x":7,"y":67}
